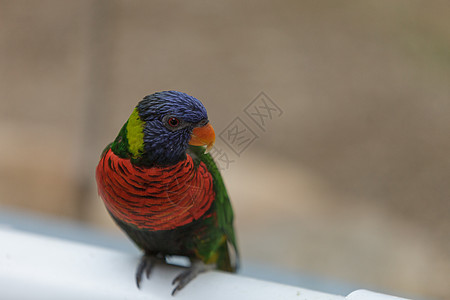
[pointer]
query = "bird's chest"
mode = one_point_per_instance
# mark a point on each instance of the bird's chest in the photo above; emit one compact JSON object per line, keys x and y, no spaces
{"x":157,"y":198}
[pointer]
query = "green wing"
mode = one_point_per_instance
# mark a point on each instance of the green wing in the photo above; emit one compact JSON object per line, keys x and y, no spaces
{"x":222,"y":202}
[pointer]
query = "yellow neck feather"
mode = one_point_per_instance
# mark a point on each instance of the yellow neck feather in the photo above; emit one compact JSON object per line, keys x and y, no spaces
{"x":135,"y":134}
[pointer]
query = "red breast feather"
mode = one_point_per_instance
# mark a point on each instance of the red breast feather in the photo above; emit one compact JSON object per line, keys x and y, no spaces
{"x":157,"y":198}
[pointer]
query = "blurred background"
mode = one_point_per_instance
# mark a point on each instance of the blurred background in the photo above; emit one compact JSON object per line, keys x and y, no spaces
{"x":348,"y":182}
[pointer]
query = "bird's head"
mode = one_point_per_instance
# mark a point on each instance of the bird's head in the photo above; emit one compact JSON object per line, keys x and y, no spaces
{"x":161,"y":128}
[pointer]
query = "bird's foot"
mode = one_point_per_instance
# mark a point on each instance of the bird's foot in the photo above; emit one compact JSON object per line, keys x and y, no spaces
{"x":146,"y":265}
{"x":185,"y":277}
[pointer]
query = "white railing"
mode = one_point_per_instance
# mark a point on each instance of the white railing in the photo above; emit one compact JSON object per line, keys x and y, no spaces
{"x":39,"y":267}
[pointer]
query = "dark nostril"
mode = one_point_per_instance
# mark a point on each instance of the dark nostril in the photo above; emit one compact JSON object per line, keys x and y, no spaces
{"x":202,"y":123}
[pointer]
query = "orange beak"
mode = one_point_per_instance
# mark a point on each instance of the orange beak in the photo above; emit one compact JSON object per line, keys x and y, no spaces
{"x":203,"y":136}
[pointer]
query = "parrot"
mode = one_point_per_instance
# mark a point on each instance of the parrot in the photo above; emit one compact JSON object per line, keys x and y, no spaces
{"x":161,"y":186}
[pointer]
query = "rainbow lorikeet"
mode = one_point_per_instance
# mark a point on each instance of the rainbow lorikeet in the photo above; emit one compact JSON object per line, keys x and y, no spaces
{"x":163,"y":189}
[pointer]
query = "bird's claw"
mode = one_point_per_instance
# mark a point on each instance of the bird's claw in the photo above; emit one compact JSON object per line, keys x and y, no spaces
{"x":145,"y":265}
{"x":185,"y":277}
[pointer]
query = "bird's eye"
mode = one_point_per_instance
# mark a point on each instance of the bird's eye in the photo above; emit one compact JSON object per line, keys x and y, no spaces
{"x":173,"y":122}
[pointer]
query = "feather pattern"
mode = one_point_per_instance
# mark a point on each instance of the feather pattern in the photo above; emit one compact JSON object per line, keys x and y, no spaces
{"x":154,"y":198}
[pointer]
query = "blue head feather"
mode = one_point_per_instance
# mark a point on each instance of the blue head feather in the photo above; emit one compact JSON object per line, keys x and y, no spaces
{"x":163,"y":146}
